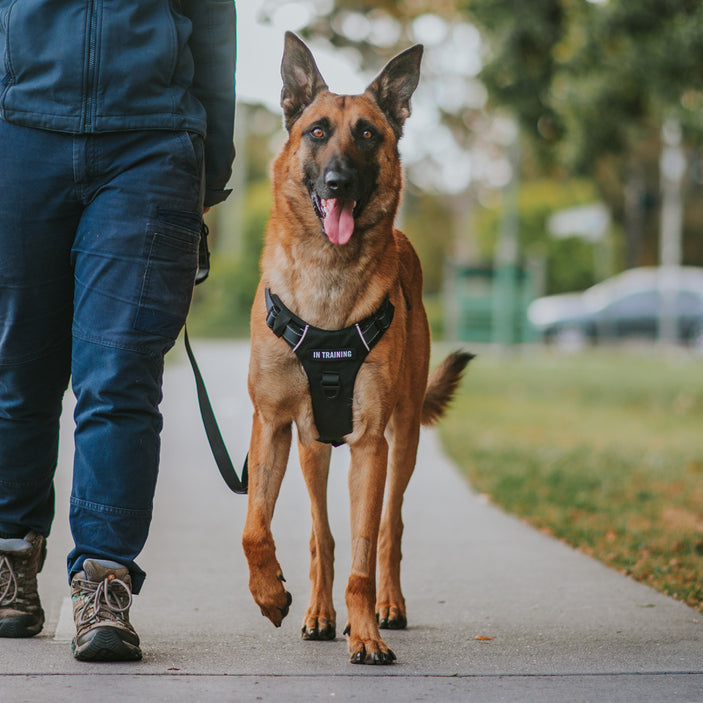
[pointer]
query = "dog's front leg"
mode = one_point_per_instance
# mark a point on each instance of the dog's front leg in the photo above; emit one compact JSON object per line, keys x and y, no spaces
{"x":268,"y":457}
{"x":390,"y":604}
{"x":320,"y":617}
{"x":367,"y":478}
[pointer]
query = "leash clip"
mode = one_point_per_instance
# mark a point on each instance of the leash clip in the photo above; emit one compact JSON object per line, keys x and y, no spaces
{"x":203,"y":255}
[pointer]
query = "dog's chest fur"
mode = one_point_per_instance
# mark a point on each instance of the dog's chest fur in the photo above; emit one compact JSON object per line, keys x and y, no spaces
{"x":325,"y":288}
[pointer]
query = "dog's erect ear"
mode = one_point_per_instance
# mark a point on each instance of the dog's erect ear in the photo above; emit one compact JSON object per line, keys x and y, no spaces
{"x":395,"y":85}
{"x":301,"y":79}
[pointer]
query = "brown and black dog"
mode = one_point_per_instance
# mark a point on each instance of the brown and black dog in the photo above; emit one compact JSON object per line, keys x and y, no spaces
{"x":333,"y":261}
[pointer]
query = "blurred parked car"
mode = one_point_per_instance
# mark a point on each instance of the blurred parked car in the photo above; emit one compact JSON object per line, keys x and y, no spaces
{"x":628,"y":305}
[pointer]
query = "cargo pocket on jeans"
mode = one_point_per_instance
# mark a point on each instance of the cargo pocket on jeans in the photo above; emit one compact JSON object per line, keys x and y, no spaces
{"x":169,"y":277}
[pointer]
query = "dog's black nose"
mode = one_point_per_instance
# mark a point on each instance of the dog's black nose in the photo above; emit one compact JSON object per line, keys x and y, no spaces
{"x":337,"y":181}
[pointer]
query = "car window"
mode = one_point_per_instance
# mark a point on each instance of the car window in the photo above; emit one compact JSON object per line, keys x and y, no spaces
{"x":688,"y":303}
{"x":644,"y":304}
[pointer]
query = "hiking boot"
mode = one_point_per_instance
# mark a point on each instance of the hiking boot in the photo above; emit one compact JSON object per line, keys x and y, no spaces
{"x":102,"y":595}
{"x":21,"y":559}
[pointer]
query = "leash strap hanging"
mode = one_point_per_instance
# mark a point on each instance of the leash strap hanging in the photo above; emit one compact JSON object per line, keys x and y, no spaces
{"x":212,"y":430}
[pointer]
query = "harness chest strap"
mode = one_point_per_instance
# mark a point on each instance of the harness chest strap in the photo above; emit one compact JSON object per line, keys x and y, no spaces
{"x":331,"y":360}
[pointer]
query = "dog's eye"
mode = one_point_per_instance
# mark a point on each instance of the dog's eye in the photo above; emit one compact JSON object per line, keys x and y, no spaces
{"x":317,"y":132}
{"x":367,"y":134}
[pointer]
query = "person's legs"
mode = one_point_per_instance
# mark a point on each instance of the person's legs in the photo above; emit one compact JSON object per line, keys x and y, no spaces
{"x":135,"y":259}
{"x":39,"y":212}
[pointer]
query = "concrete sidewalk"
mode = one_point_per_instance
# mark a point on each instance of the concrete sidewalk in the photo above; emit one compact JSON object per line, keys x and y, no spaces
{"x":562,"y":627}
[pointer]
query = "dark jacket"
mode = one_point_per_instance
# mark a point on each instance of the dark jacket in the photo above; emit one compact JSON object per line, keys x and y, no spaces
{"x":91,"y":66}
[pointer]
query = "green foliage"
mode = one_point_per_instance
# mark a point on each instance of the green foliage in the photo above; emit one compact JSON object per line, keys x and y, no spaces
{"x":590,"y":82}
{"x":522,"y":63}
{"x":596,"y":74}
{"x":435,"y":315}
{"x":428,"y":223}
{"x":258,"y":207}
{"x":601,"y":449}
{"x":221,"y":304}
{"x":569,"y":262}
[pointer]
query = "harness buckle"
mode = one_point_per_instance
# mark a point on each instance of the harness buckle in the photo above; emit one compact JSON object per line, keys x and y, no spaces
{"x":278,"y":321}
{"x":271,"y":317}
{"x":331,"y":384}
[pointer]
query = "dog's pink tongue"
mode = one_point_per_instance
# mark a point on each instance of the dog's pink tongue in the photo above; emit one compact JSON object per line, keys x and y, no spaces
{"x":339,"y":220}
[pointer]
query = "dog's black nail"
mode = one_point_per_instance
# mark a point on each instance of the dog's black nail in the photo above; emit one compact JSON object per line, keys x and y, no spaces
{"x":359,"y":657}
{"x":384,"y":657}
{"x":347,"y":630}
{"x":280,"y":577}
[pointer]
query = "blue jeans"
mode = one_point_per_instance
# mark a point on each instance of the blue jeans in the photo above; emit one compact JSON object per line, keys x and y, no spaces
{"x":98,"y":254}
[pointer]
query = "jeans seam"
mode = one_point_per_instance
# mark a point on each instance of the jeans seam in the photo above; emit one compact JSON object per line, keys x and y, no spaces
{"x":99,"y":341}
{"x":110,"y":509}
{"x":32,"y":358}
{"x":170,"y":235}
{"x":28,"y":484}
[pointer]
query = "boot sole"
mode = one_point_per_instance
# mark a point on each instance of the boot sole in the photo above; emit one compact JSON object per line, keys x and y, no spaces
{"x":20,"y":626}
{"x":106,"y":645}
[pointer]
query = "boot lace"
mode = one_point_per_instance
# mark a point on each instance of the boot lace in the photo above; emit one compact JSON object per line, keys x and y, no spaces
{"x":107,"y":600}
{"x":9,"y":587}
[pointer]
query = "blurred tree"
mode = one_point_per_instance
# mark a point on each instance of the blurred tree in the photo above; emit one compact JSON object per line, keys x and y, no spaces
{"x":221,"y":306}
{"x":423,"y":213}
{"x":592,"y":83}
{"x":569,"y":262}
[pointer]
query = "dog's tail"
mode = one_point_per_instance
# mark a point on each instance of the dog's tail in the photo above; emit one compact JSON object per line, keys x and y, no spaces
{"x":441,"y":385}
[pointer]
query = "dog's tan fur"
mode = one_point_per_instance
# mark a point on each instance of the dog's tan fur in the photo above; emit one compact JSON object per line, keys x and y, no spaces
{"x":332,"y":286}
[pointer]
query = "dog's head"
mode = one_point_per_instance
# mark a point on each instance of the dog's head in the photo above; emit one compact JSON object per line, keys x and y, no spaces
{"x":346,"y":146}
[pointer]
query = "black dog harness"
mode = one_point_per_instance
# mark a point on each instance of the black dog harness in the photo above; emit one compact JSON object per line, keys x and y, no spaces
{"x":331,"y":359}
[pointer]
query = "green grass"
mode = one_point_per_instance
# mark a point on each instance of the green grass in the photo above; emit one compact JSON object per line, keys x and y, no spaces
{"x":603,"y":450}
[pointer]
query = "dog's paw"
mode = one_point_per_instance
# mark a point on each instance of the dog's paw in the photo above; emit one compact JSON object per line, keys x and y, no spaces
{"x":273,"y":599}
{"x":369,"y":651}
{"x":318,"y":629}
{"x":278,"y":610}
{"x":391,"y":618}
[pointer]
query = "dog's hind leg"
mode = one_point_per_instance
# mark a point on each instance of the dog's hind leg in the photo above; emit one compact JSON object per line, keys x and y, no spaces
{"x":367,"y":478}
{"x":268,"y":456}
{"x":390,"y":603}
{"x":320,"y":617}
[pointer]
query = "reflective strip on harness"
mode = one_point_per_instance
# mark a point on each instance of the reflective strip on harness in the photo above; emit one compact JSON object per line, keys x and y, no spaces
{"x":331,"y":359}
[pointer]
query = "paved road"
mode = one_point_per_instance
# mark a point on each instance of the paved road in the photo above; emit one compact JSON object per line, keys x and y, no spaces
{"x":563,"y":627}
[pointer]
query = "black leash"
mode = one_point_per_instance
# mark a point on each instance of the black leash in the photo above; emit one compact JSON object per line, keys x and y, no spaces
{"x":212,"y":430}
